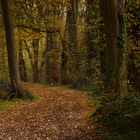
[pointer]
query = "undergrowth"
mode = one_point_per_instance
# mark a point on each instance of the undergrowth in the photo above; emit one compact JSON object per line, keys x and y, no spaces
{"x":118,"y":116}
{"x":121,"y":115}
{"x":7,"y":94}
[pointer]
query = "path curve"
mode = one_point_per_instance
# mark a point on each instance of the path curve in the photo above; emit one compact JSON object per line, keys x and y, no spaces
{"x":60,"y":114}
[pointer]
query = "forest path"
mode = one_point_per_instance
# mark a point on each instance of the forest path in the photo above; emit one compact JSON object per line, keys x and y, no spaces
{"x":59,"y":114}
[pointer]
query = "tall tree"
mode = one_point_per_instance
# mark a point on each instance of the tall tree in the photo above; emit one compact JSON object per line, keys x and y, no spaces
{"x":67,"y":47}
{"x":69,"y":54}
{"x":74,"y":31}
{"x":11,"y":48}
{"x":114,"y":19}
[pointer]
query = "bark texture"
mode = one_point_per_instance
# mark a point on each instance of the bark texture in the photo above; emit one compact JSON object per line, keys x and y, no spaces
{"x":70,"y":44}
{"x":11,"y":48}
{"x":113,"y":14}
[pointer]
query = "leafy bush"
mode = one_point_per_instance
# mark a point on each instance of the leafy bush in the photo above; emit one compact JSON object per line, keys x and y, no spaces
{"x":24,"y":95}
{"x":5,"y":86}
{"x":133,"y":135}
{"x":121,"y":111}
{"x":6,"y":92}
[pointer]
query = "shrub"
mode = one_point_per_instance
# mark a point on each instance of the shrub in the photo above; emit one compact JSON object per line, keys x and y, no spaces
{"x":5,"y":86}
{"x":6,"y":93}
{"x":23,"y":94}
{"x":120,"y":113}
{"x":119,"y":110}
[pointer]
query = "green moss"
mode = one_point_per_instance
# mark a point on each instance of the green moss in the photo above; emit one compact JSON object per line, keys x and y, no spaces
{"x":4,"y":105}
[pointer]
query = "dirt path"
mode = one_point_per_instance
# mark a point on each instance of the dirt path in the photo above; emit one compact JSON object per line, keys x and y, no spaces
{"x":60,"y":114}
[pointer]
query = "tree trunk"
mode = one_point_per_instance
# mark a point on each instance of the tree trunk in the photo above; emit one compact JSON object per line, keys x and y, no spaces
{"x":74,"y":41}
{"x":74,"y":9}
{"x":22,"y":66}
{"x":48,"y":59}
{"x":53,"y":66}
{"x":11,"y":48}
{"x":42,"y":64}
{"x":35,"y":45}
{"x":115,"y":78}
{"x":33,"y":58}
{"x":69,"y":64}
{"x":66,"y":50}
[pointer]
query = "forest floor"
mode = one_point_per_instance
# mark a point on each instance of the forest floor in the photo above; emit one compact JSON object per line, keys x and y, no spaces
{"x":60,"y":113}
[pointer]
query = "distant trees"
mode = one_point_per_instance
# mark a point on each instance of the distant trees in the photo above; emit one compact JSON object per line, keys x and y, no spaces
{"x":62,"y":41}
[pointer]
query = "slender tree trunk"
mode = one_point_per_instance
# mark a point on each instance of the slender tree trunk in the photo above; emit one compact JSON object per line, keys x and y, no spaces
{"x":65,"y":70}
{"x":48,"y":59}
{"x":66,"y":50}
{"x":115,"y":77}
{"x":42,"y":64}
{"x":34,"y":58}
{"x":53,"y":66}
{"x":22,"y":66}
{"x":11,"y":48}
{"x":35,"y":45}
{"x":29,"y":53}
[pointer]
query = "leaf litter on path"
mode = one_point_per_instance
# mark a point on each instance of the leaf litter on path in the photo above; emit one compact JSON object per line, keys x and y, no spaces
{"x":59,"y":114}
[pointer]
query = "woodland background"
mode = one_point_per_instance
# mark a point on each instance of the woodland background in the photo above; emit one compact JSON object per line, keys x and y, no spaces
{"x":58,"y":48}
{"x":91,"y":45}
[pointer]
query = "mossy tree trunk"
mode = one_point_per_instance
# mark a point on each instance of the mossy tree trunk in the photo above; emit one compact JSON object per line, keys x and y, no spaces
{"x":116,"y":70}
